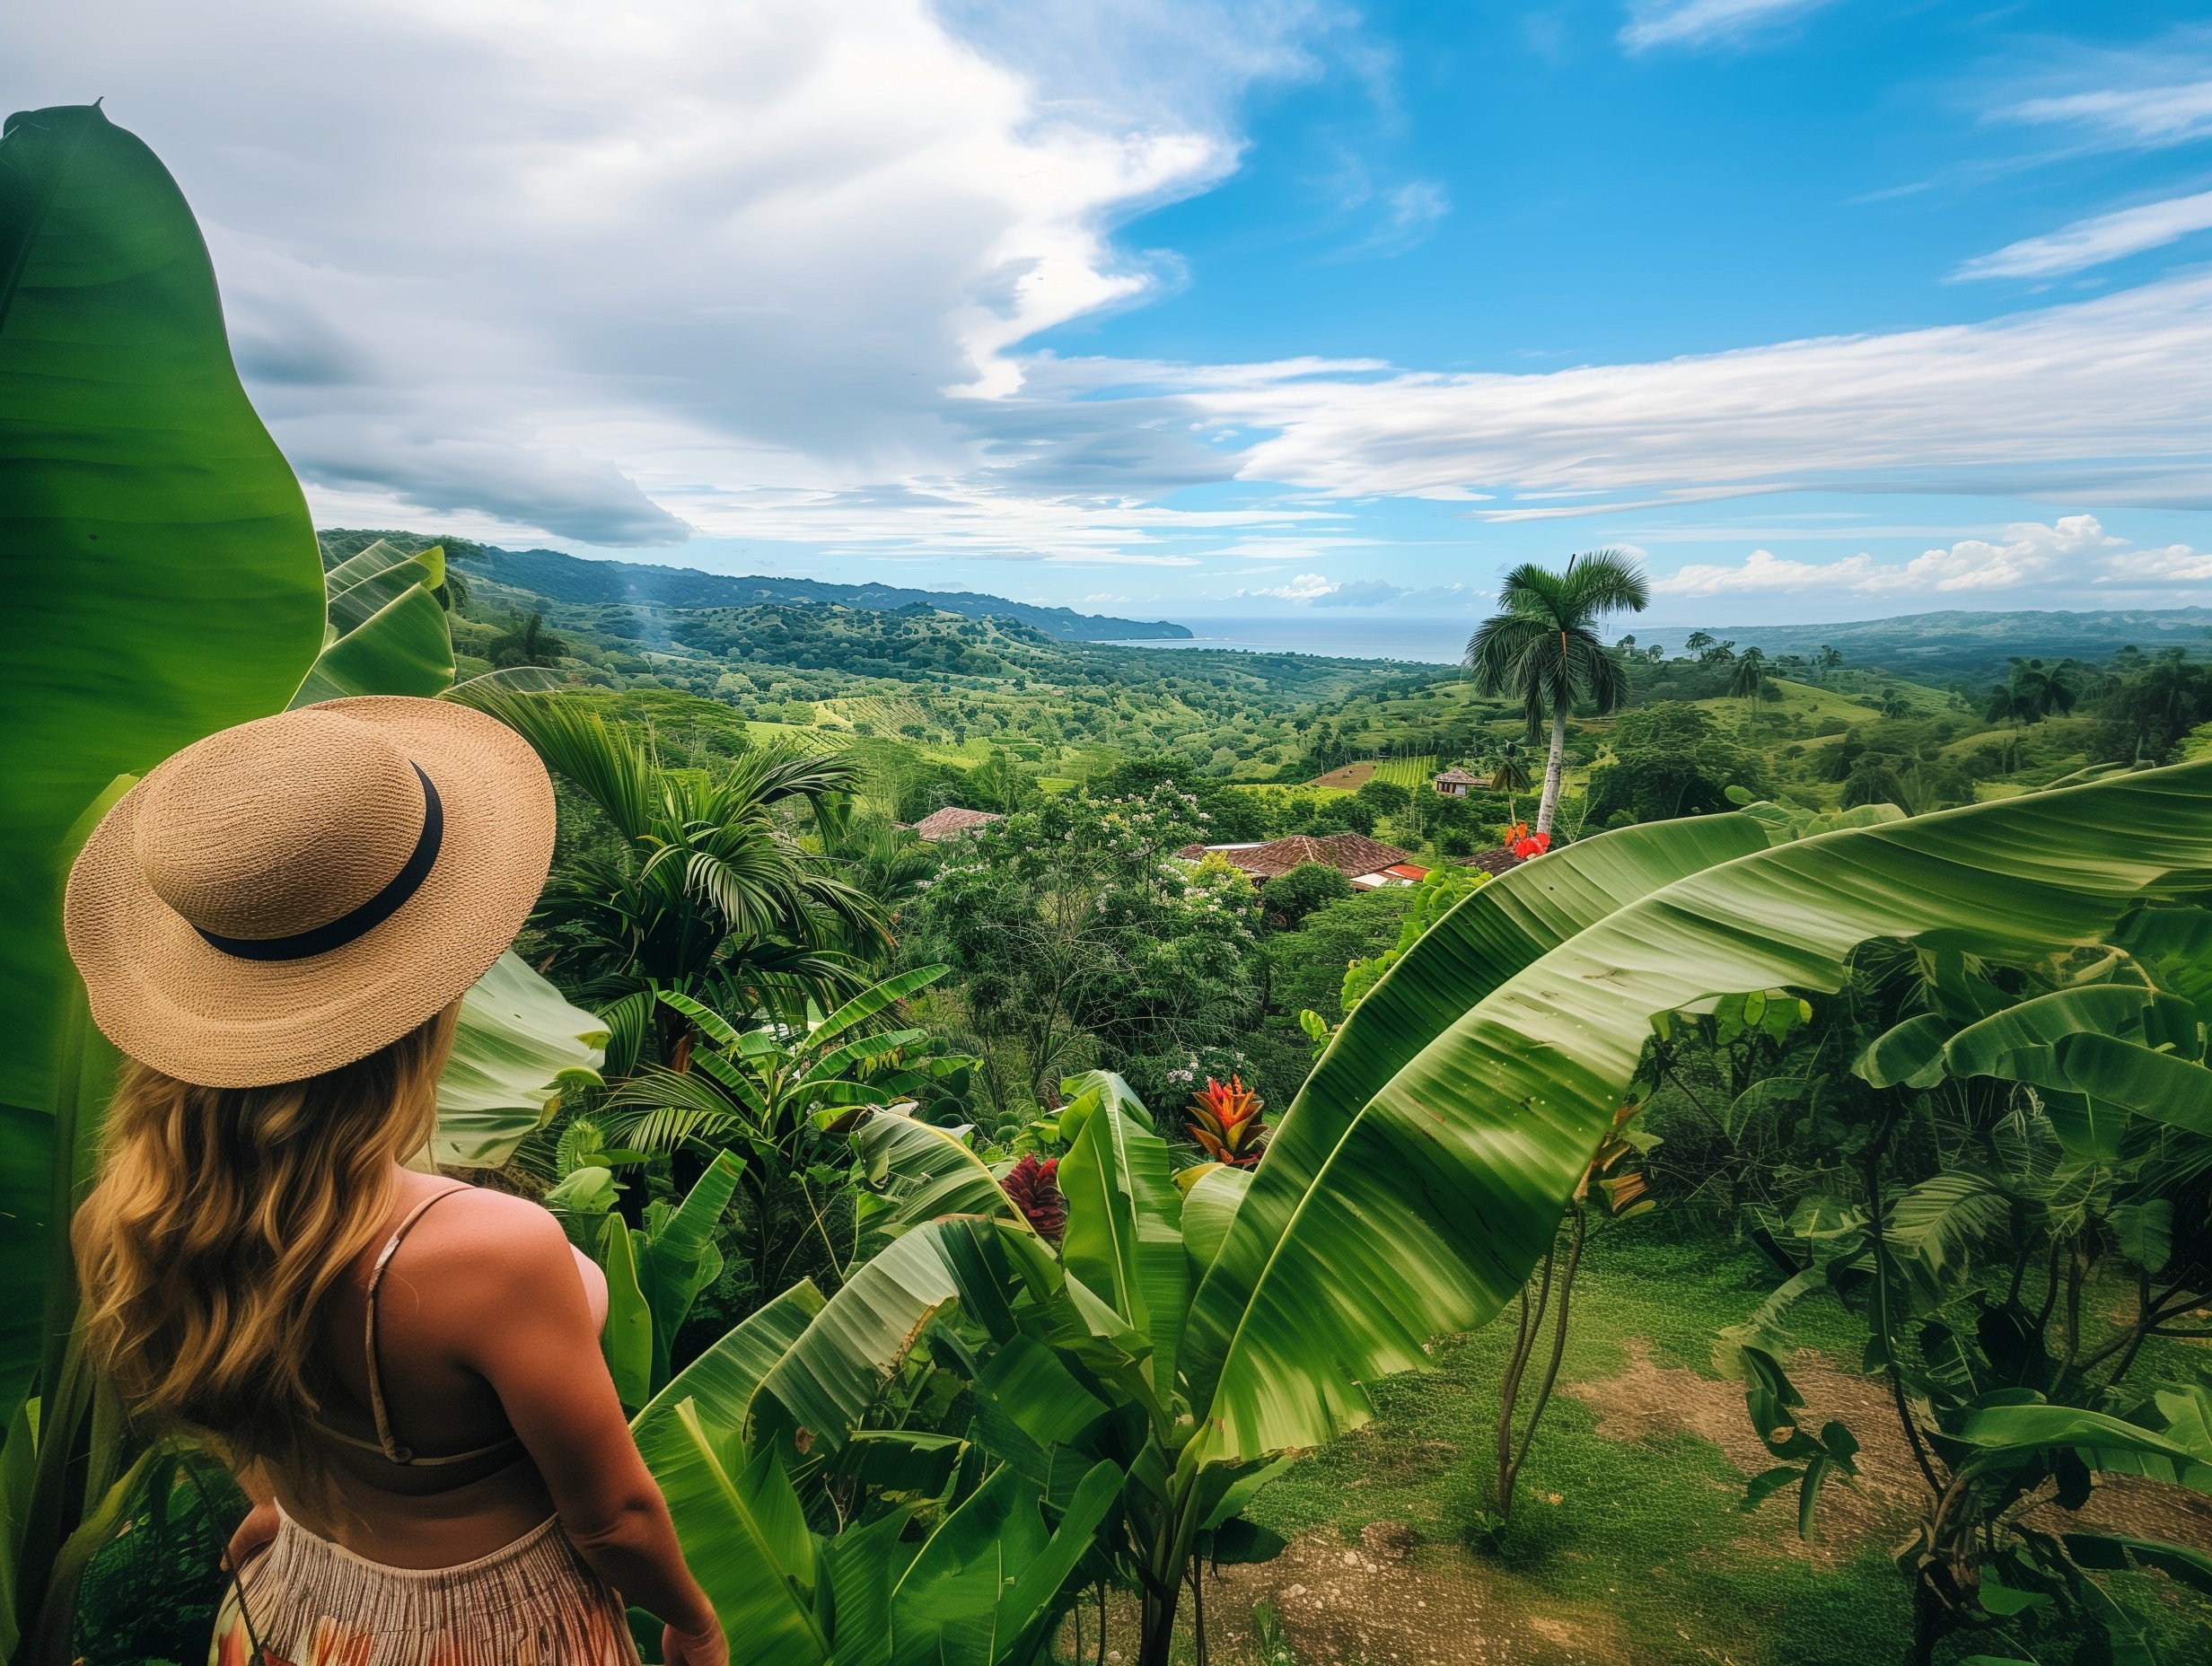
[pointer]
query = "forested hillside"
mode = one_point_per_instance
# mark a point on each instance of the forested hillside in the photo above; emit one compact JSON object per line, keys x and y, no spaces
{"x":565,"y":578}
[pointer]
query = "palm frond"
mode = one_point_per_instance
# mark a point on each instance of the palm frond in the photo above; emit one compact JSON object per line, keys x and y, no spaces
{"x":609,"y":764}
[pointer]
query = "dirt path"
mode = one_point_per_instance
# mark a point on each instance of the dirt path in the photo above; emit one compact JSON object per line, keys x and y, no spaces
{"x":1383,"y":1603}
{"x":1646,"y":1402}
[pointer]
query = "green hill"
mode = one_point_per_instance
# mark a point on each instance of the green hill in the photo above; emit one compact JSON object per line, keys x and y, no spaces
{"x":1976,"y":647}
{"x":568,"y":578}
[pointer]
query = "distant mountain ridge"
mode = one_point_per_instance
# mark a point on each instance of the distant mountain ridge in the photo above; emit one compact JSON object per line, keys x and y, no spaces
{"x":1957,"y":643}
{"x":570,"y":578}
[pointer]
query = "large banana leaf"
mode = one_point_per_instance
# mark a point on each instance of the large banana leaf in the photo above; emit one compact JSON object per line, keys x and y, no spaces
{"x":745,"y":1539}
{"x":2108,"y":1009}
{"x":1368,"y":1231}
{"x":160,"y":569}
{"x":519,"y":1045}
{"x":825,"y":1382}
{"x":1496,"y":930}
{"x":928,"y":1172}
{"x":721,"y":1382}
{"x":385,"y":632}
{"x":1124,"y":1236}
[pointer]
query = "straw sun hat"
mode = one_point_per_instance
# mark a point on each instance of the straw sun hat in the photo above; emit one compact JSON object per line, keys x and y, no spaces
{"x":288,"y":896}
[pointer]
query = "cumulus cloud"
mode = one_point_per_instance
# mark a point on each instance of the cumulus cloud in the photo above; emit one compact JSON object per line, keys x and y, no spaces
{"x":2093,"y":242}
{"x":2074,"y":549}
{"x":765,"y":272}
{"x":1306,"y":587}
{"x":1695,"y":22}
{"x":582,"y":270}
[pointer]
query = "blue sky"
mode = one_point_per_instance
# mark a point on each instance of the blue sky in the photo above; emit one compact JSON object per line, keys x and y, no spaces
{"x":1833,"y":307}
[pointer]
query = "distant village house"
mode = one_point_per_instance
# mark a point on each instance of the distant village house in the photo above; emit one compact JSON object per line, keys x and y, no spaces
{"x":1369,"y":864}
{"x":950,"y":822}
{"x":1455,"y":784}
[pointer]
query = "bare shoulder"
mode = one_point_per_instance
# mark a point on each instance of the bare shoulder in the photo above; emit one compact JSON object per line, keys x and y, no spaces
{"x":489,"y":1238}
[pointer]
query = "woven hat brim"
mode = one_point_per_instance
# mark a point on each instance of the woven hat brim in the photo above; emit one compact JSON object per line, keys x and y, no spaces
{"x":165,"y":995}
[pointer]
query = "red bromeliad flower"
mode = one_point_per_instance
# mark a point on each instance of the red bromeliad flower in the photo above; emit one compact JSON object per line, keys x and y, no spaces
{"x":1226,"y":1120}
{"x":1035,"y":1188}
{"x":1525,"y":844}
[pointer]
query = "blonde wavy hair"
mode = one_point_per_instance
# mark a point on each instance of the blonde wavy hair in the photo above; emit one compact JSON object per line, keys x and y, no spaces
{"x":221,"y":1219}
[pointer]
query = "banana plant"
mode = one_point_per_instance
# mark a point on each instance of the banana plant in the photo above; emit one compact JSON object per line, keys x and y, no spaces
{"x":654,"y":1273}
{"x":385,"y":631}
{"x":768,"y":1090}
{"x":164,"y":583}
{"x":1421,"y":1171}
{"x":2069,"y":1080}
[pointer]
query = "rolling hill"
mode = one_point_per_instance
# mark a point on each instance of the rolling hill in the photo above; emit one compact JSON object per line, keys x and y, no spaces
{"x":568,"y":578}
{"x":1975,"y":647}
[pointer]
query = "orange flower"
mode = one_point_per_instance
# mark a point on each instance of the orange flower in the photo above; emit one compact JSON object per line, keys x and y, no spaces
{"x":1226,"y":1121}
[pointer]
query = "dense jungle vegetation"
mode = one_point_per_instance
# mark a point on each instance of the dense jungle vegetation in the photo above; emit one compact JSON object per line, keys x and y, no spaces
{"x":1773,"y":1223}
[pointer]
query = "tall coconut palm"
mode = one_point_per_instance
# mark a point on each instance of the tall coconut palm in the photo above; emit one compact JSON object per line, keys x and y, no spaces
{"x":1545,"y":651}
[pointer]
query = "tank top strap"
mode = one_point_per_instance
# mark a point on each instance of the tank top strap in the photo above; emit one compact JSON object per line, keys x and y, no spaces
{"x":392,"y":1448}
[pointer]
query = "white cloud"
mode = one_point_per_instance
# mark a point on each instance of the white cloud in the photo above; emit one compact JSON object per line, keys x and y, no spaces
{"x":1306,"y":587}
{"x":1693,"y":22}
{"x":2169,"y":113}
{"x":2102,"y":398}
{"x":1366,"y":592}
{"x":2146,"y":569}
{"x":2093,"y":241}
{"x":2073,"y":549}
{"x":580,"y":270}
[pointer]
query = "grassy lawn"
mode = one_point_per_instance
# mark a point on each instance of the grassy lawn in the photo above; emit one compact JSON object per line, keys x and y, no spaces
{"x":1626,"y":1542}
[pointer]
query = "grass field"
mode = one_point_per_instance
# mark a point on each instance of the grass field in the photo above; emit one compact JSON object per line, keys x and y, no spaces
{"x":1627,"y":1544}
{"x":1413,"y":774}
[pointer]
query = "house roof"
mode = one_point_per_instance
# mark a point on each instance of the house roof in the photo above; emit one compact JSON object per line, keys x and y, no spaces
{"x":1457,"y":776}
{"x":1494,"y":861}
{"x":943,"y":824}
{"x":1352,"y":855}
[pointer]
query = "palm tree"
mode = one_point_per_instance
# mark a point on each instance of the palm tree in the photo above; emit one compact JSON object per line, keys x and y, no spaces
{"x":1828,"y":660}
{"x":527,"y":643}
{"x":703,"y":889}
{"x":2030,"y":693}
{"x":885,"y":862}
{"x":1509,"y":769}
{"x":1544,"y":648}
{"x":760,"y":1090}
{"x":1751,"y":679}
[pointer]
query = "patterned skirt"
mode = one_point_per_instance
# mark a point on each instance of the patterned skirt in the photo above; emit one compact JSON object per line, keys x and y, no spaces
{"x":313,"y":1603}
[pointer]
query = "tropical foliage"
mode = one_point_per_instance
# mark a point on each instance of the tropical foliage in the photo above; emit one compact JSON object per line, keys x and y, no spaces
{"x":705,"y":890}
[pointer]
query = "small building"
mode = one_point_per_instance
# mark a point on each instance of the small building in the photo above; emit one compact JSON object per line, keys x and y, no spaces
{"x":950,"y":822}
{"x":1492,"y":862}
{"x":1454,"y":783}
{"x":1369,"y":864}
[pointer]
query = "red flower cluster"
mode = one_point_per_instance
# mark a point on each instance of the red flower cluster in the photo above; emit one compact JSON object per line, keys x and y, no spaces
{"x":1035,"y":1188}
{"x":1226,"y":1120}
{"x":1525,"y":844}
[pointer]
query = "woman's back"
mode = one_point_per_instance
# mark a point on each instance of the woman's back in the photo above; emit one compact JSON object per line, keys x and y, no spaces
{"x":457,"y":1278}
{"x":277,"y":925}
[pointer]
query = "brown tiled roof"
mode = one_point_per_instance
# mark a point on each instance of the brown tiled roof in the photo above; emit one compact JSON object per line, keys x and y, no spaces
{"x":1456,"y":774}
{"x":1350,"y":854}
{"x":943,"y":824}
{"x":1498,"y":861}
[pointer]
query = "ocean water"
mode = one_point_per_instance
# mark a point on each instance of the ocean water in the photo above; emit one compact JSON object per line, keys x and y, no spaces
{"x":1439,"y":641}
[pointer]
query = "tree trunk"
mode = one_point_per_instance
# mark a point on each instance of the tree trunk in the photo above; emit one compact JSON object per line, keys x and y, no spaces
{"x":1554,"y":767}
